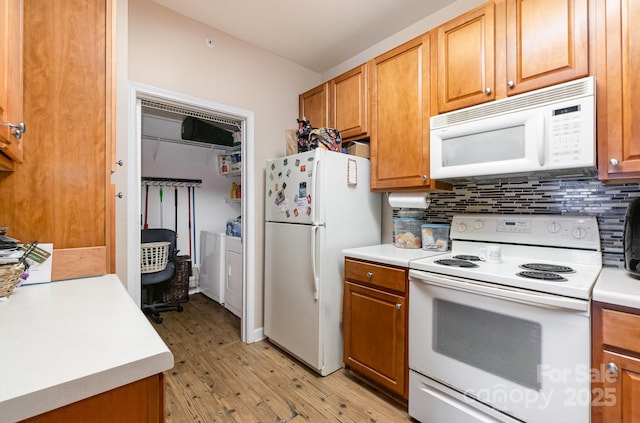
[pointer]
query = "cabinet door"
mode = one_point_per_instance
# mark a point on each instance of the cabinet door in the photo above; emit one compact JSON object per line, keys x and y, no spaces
{"x":618,"y":64}
{"x":61,"y":193}
{"x":10,"y":81}
{"x":620,"y":396}
{"x":399,"y":117}
{"x":142,"y":401}
{"x":463,"y":65}
{"x":314,"y":106}
{"x":348,"y":101}
{"x":374,"y":335}
{"x":547,"y":43}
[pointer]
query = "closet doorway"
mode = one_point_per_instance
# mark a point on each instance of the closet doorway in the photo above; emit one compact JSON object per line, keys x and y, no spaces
{"x":146,"y":103}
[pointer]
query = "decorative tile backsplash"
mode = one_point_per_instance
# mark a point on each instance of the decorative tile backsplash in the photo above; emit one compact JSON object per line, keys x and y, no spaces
{"x":556,"y":196}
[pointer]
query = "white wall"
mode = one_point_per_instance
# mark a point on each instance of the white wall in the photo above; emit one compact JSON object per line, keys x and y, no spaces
{"x":423,"y":25}
{"x":170,"y":160}
{"x":160,"y":48}
{"x":168,"y":51}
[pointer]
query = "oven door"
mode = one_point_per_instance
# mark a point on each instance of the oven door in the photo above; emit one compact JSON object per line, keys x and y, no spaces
{"x":526,"y":354}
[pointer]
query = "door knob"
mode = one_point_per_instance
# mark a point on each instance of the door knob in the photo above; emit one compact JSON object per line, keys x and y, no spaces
{"x":18,"y":128}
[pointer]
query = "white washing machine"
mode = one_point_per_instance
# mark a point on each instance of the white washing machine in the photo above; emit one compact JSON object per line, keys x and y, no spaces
{"x":212,"y":265}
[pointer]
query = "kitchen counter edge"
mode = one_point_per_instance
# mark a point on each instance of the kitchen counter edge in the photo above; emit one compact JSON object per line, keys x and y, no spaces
{"x":70,"y":340}
{"x":617,"y":286}
{"x":388,"y":254}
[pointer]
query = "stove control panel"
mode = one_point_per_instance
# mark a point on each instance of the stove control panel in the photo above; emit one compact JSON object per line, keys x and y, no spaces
{"x":544,"y":230}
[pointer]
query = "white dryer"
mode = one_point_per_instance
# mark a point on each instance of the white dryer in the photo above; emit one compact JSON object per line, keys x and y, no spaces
{"x":212,"y":265}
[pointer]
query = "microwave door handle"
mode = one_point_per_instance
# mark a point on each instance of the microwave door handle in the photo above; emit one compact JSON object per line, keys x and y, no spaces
{"x":541,"y":137}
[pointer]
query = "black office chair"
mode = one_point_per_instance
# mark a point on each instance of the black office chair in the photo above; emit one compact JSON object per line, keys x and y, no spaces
{"x":151,"y":303}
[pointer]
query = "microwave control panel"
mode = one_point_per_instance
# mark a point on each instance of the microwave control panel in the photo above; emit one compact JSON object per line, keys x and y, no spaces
{"x":569,"y":135}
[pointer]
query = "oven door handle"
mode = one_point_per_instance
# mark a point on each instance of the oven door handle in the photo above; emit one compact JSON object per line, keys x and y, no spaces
{"x":502,"y":292}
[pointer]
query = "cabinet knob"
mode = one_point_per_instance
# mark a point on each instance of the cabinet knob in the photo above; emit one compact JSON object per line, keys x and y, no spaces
{"x":613,"y":369}
{"x":424,"y":178}
{"x":398,"y":306}
{"x":487,"y":90}
{"x":120,"y":195}
{"x":511,"y":84}
{"x":614,"y":162}
{"x":369,"y":275}
{"x":120,"y":163}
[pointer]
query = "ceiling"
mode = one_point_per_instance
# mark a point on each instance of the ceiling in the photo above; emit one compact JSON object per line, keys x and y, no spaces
{"x":316,"y":34}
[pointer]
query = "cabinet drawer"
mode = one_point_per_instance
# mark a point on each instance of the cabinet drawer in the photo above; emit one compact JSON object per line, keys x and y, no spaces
{"x":376,"y":275}
{"x":621,"y":329}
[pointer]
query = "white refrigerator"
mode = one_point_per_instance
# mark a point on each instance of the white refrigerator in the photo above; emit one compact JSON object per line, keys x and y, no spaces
{"x":317,"y":203}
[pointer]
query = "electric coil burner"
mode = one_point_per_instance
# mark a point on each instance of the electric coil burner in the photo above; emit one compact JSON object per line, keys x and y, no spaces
{"x":543,"y":276}
{"x":456,"y":263}
{"x":546,"y":267}
{"x":467,"y":257}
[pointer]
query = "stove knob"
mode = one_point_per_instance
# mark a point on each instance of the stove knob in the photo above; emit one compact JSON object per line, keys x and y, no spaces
{"x":478,"y":224}
{"x":462,"y":227}
{"x":554,"y":227}
{"x":579,"y":232}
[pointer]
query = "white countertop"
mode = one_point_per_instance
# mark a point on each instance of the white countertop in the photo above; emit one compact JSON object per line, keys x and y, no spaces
{"x":66,"y":341}
{"x":388,"y":254}
{"x":617,"y":286}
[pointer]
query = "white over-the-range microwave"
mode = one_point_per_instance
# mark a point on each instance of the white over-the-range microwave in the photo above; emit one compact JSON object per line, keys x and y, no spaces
{"x":547,"y":132}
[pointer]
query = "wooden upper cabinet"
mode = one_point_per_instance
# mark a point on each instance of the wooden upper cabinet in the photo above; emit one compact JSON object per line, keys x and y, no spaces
{"x":547,"y":43}
{"x":314,"y":106}
{"x":508,"y":47}
{"x":617,"y":68}
{"x":11,"y":13}
{"x":399,"y":118}
{"x":348,"y":103}
{"x":463,"y":64}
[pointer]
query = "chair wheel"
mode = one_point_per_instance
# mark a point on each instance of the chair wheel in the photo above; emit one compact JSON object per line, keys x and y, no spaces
{"x":180,"y":309}
{"x":157,"y":319}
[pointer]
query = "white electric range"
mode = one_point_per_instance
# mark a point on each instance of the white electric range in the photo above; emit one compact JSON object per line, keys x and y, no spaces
{"x":499,"y":328}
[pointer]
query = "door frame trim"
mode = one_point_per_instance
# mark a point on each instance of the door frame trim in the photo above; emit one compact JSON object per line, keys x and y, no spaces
{"x":137,"y":92}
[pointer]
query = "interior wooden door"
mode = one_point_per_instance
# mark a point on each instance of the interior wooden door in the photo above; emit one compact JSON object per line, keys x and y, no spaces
{"x":61,"y":193}
{"x":11,"y":82}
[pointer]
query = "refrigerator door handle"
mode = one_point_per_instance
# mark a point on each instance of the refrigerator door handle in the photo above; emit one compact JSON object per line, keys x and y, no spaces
{"x":315,"y":209}
{"x":314,"y":232}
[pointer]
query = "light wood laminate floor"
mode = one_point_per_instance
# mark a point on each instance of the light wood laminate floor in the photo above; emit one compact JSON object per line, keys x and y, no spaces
{"x":218,"y":378}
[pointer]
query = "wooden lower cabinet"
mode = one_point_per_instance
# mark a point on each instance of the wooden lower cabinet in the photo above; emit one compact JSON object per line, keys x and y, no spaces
{"x":375,"y":324}
{"x":616,"y":365}
{"x":138,"y":402}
